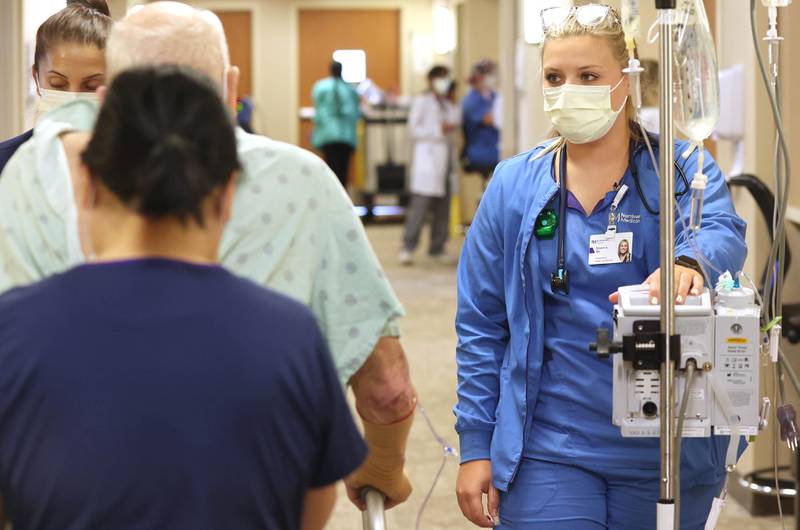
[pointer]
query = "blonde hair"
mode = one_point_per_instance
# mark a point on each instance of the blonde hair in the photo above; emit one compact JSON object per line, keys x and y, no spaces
{"x":609,"y":29}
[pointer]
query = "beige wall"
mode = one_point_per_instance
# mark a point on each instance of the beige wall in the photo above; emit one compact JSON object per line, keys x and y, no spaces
{"x":117,"y":8}
{"x":274,"y":55}
{"x":479,"y":37}
{"x":11,"y":62}
{"x":275,"y":68}
{"x":789,"y":26}
{"x":507,"y":49}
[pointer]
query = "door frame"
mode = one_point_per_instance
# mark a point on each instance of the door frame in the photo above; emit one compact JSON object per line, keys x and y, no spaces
{"x":14,"y":85}
{"x":256,"y":45}
{"x":350,"y":5}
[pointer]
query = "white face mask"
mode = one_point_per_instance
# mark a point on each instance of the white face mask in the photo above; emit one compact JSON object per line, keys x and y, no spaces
{"x":441,"y":85}
{"x":490,"y":82}
{"x":52,"y":99}
{"x":581,"y":113}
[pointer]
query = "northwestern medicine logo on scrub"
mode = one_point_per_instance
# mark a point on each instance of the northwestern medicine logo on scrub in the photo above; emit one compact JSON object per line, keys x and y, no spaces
{"x":628,"y":218}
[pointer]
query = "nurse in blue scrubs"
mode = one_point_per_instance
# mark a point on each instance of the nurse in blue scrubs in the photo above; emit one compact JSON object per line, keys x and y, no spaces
{"x":534,"y":404}
{"x":69,"y":61}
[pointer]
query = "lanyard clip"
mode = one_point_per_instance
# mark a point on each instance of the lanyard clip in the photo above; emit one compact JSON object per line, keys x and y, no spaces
{"x":612,"y":217}
{"x":619,"y":196}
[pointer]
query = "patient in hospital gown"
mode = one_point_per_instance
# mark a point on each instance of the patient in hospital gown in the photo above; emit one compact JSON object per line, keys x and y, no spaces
{"x":292,"y":229}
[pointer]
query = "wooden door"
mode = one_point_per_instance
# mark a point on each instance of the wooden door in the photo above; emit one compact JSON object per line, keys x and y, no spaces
{"x":239,"y":31}
{"x":323,"y":31}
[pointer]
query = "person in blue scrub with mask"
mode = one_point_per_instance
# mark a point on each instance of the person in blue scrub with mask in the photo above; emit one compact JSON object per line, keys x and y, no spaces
{"x":534,"y":404}
{"x":481,"y":132}
{"x":69,"y":61}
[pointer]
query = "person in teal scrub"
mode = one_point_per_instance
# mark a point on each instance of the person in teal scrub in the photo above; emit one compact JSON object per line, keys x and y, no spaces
{"x":338,"y":109}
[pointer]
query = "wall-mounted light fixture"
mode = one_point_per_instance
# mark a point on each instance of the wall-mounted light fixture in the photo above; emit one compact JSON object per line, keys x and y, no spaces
{"x":444,"y":28}
{"x":354,"y":64}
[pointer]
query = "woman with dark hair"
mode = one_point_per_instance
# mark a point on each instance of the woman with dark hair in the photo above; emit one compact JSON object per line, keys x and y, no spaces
{"x":152,"y":388}
{"x":69,"y":61}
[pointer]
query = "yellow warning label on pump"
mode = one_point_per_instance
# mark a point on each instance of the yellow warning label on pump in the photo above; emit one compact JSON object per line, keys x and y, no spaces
{"x":737,"y":340}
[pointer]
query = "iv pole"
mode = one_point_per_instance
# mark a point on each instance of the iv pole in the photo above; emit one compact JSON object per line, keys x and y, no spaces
{"x":666,"y":515}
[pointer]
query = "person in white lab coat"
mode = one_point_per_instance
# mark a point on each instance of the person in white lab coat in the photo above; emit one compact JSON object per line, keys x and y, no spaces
{"x":431,"y":126}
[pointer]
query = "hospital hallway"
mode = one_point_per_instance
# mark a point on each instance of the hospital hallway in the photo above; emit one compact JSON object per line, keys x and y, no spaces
{"x":428,"y":293}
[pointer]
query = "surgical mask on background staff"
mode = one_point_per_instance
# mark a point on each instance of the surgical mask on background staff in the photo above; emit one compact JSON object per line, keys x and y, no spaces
{"x":581,"y":113}
{"x":490,"y":82}
{"x":441,"y":85}
{"x":52,"y":99}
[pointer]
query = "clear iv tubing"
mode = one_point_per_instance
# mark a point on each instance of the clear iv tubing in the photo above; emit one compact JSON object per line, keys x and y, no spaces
{"x":698,"y":191}
{"x":449,"y":451}
{"x":630,"y":26}
{"x":702,"y":259}
{"x":773,"y":288}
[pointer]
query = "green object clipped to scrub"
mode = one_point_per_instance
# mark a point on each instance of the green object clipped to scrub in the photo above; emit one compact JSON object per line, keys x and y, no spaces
{"x":546,"y":224}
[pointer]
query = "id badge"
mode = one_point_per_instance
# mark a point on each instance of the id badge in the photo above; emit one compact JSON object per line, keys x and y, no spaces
{"x":610,"y":247}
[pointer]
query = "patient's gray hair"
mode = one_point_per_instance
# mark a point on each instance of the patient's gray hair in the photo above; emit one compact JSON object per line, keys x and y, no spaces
{"x":168,"y":33}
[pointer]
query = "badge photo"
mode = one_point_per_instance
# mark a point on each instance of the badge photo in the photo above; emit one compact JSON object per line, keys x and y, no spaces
{"x":610,"y":248}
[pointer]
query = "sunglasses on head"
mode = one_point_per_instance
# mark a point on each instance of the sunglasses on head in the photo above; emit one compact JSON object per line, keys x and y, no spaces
{"x":588,"y":15}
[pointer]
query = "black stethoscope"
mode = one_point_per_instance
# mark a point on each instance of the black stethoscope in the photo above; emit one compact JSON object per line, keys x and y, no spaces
{"x":559,"y":280}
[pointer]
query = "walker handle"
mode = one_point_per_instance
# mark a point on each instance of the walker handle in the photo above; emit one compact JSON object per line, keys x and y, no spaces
{"x":374,"y":517}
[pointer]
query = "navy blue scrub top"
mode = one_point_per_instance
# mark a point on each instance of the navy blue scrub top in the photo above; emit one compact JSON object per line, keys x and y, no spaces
{"x":9,"y":147}
{"x":155,"y":393}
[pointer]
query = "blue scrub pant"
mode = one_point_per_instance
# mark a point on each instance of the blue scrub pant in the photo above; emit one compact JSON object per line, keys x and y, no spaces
{"x":550,"y":496}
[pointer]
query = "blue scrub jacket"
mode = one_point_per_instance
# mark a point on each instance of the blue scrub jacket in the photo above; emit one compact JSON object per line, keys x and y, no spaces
{"x":499,"y":321}
{"x":482,"y":141}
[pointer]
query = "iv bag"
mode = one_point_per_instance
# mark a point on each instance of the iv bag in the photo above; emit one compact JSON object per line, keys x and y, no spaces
{"x":696,"y":79}
{"x":630,"y":18}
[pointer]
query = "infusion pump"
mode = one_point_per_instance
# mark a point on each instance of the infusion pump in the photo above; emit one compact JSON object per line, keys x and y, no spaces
{"x":722,"y":337}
